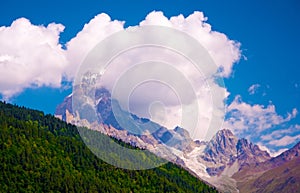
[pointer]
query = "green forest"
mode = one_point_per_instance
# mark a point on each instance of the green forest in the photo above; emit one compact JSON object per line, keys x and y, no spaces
{"x":40,"y":153}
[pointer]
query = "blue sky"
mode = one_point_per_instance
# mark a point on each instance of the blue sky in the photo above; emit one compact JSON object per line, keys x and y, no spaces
{"x":267,"y":30}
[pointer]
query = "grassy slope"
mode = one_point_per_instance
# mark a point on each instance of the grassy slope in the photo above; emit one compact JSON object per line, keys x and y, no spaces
{"x":284,"y":178}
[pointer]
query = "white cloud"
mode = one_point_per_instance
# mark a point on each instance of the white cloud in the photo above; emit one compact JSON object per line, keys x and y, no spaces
{"x":263,"y":124}
{"x":284,"y":141}
{"x":277,"y":153}
{"x":30,"y":56}
{"x":223,"y":51}
{"x":279,"y":133}
{"x":97,"y":29}
{"x":271,"y":152}
{"x":243,"y":117}
{"x":294,"y":114}
{"x":253,"y":89}
{"x":33,"y":55}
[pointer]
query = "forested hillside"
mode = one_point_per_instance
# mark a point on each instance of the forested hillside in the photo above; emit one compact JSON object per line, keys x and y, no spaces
{"x":40,"y":153}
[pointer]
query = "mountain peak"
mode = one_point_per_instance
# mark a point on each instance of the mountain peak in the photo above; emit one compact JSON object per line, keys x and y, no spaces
{"x":225,"y":148}
{"x":225,"y":133}
{"x":224,"y":139}
{"x":181,"y":131}
{"x":220,"y":151}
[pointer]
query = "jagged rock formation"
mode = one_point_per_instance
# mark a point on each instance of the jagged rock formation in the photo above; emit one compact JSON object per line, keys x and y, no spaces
{"x":225,"y":161}
{"x":225,"y":148}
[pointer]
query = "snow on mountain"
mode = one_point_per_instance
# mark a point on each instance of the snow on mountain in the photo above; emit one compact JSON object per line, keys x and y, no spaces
{"x":215,"y":161}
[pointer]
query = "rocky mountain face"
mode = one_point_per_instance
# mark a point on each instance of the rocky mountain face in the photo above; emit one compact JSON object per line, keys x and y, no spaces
{"x":224,"y":149}
{"x":224,"y":161}
{"x":177,"y":138}
{"x":278,"y":174}
{"x":220,"y":152}
{"x":64,"y":109}
{"x":289,"y":155}
{"x":286,"y":156}
{"x":249,"y":153}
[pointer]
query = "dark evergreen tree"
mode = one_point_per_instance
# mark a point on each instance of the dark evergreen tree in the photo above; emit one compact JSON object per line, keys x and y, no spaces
{"x":40,"y":153}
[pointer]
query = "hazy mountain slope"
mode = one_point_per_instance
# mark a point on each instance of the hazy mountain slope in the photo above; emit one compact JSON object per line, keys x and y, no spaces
{"x":40,"y":153}
{"x":284,"y":178}
{"x":279,"y":174}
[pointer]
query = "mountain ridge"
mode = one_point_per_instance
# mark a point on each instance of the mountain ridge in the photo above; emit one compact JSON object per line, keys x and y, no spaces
{"x":217,"y":161}
{"x":40,"y":153}
{"x":278,"y":174}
